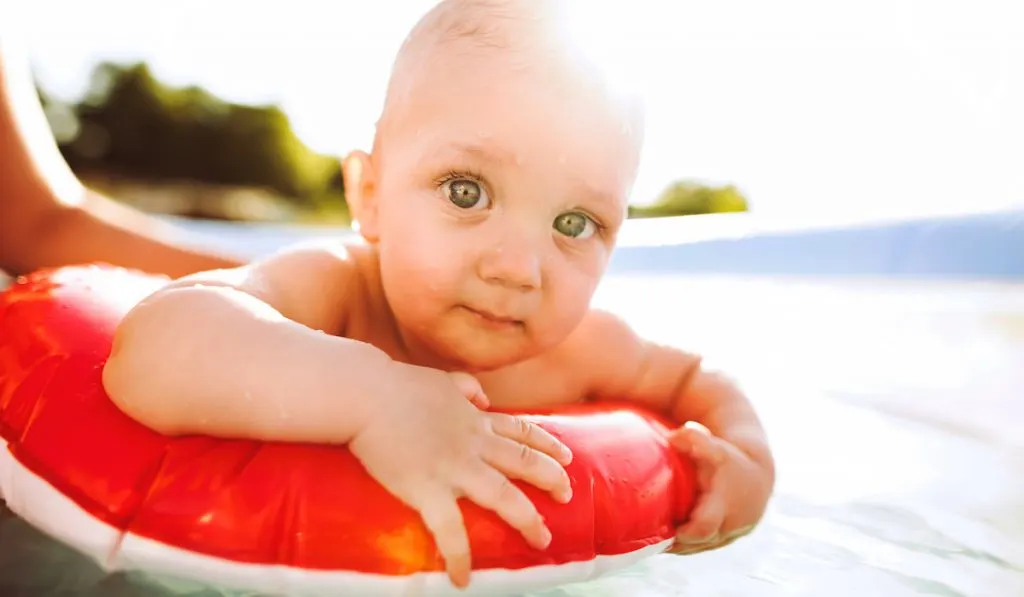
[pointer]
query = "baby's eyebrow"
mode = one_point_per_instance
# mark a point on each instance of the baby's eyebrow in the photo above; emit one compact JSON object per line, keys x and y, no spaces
{"x":485,"y":153}
{"x":498,"y":155}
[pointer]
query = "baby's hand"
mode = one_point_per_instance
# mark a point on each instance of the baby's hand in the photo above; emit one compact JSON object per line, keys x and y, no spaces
{"x":429,"y":445}
{"x":732,"y":491}
{"x":470,"y":388}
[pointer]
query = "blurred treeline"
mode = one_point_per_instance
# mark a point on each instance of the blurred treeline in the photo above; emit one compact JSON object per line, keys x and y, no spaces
{"x":129,"y":126}
{"x":688,"y":198}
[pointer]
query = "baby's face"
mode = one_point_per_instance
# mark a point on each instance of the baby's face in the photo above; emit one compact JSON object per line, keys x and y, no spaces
{"x":500,"y":191}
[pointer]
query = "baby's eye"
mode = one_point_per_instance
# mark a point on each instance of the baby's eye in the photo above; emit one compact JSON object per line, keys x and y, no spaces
{"x":466,"y":193}
{"x":575,"y":225}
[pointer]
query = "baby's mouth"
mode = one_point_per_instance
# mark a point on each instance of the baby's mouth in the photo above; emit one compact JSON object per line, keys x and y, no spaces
{"x":493,"y":319}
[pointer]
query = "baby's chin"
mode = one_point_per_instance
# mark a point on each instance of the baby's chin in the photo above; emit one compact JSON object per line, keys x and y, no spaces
{"x":482,"y":355}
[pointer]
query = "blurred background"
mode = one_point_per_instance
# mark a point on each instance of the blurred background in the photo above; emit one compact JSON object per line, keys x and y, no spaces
{"x":795,"y":108}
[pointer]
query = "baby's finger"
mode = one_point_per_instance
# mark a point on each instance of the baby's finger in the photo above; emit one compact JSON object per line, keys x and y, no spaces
{"x":706,"y":521}
{"x":681,"y":439}
{"x":443,"y":519}
{"x":494,"y":491}
{"x":698,"y":443}
{"x":697,"y":427}
{"x":688,"y":441}
{"x":520,"y":461}
{"x":680,"y":548}
{"x":525,"y":432}
{"x":470,"y":387}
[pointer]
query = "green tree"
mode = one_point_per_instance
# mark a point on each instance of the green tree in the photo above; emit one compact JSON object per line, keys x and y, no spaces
{"x":686,"y":198}
{"x":133,"y":125}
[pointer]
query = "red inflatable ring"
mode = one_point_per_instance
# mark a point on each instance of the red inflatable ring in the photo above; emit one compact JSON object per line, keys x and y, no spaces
{"x":294,"y":519}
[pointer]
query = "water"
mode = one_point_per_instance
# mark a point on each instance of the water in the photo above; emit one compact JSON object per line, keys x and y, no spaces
{"x":895,"y":411}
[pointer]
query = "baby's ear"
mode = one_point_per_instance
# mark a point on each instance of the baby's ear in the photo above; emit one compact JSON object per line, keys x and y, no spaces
{"x":360,"y":193}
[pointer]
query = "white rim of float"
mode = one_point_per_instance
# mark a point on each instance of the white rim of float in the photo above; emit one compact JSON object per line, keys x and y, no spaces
{"x":50,"y":511}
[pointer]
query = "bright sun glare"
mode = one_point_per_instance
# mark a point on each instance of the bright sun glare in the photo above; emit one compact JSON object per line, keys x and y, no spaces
{"x":607,"y":35}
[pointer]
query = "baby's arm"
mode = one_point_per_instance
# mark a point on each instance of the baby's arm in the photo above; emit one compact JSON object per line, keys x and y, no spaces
{"x":238,"y":353}
{"x":737,"y":467}
{"x":668,"y":380}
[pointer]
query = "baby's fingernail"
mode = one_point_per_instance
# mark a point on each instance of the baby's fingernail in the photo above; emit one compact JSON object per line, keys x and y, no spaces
{"x":698,"y":427}
{"x":460,"y":579}
{"x":545,"y":538}
{"x":565,"y":496}
{"x":566,"y":455}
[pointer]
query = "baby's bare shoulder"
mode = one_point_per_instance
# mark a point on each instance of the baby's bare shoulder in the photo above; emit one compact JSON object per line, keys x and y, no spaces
{"x":321,"y":254}
{"x":605,"y":350}
{"x":311,"y":282}
{"x":602,"y":333}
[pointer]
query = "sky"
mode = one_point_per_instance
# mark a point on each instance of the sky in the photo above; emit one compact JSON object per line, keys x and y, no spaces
{"x":870,"y":107}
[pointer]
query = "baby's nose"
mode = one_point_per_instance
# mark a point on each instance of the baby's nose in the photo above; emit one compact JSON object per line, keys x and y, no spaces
{"x":513,"y":263}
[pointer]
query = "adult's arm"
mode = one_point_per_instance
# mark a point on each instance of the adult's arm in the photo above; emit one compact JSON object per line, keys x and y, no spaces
{"x":49,"y":218}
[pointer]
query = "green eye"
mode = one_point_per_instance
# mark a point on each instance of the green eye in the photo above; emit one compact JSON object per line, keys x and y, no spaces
{"x":465,"y":193}
{"x":574,"y":225}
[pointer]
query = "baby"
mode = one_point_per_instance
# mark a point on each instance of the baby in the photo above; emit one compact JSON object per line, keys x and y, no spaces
{"x":488,"y":210}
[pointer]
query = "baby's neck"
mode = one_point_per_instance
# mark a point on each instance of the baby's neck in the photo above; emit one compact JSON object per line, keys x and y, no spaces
{"x":384,"y":330}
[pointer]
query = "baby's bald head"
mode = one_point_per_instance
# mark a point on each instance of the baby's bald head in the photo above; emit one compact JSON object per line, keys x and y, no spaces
{"x":506,"y":37}
{"x":482,"y":23}
{"x":459,"y":29}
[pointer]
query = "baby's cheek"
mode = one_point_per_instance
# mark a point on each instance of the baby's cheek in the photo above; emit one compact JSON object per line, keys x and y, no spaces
{"x":411,"y":284}
{"x":416,"y":261}
{"x":564,"y":308}
{"x":419,"y":294}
